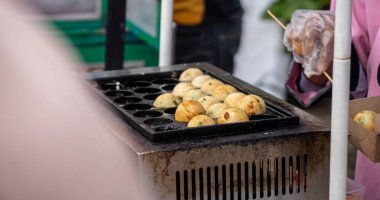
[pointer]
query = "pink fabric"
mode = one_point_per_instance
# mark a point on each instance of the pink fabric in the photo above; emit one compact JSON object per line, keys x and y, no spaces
{"x":365,"y":26}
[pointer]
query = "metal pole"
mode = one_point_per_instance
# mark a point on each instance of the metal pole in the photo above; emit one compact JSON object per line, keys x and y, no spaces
{"x":166,"y":33}
{"x":340,"y":100}
{"x":115,"y":34}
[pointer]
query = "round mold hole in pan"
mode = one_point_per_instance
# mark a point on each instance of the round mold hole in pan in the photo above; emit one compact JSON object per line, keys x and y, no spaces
{"x":110,"y":86}
{"x":125,"y":100}
{"x":168,"y":87}
{"x":118,"y":93}
{"x":147,"y":90}
{"x":158,"y":121}
{"x":137,"y":84}
{"x":169,"y":127}
{"x":145,"y":114}
{"x":137,"y":106}
{"x":170,"y":111}
{"x":165,"y":81}
{"x":263,"y":116}
{"x":151,"y":96}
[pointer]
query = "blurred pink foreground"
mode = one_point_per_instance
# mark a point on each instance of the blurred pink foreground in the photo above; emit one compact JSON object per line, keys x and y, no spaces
{"x":54,"y":140}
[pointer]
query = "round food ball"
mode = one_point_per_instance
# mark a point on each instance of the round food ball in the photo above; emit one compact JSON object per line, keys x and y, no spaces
{"x":193,"y":95}
{"x":200,"y":80}
{"x":189,"y":74}
{"x":216,"y":110}
{"x":233,"y":99}
{"x":209,"y":86}
{"x":201,"y":120}
{"x":207,"y":101}
{"x":167,"y":100}
{"x":182,"y":88}
{"x":187,"y":110}
{"x":232,"y":115}
{"x":222,"y":91}
{"x":252,"y":105}
{"x":366,"y":119}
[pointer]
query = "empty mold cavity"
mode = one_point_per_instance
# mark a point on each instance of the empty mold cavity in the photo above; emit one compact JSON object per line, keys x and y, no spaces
{"x":158,"y":121}
{"x":170,"y":111}
{"x":151,"y":96}
{"x":125,"y":100}
{"x":147,"y":90}
{"x":168,"y":87}
{"x":118,"y":93}
{"x":137,"y":107}
{"x":137,"y":84}
{"x":165,"y":81}
{"x":144,"y":114}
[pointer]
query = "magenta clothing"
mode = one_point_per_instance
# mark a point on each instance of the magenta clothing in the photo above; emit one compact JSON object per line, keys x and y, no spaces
{"x":366,"y":40}
{"x":365,"y":37}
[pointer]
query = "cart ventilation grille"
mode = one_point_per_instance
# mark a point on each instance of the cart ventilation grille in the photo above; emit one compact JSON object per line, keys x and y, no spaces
{"x":246,"y":180}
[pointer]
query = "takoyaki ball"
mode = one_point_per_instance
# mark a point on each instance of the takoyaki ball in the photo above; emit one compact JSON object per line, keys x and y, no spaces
{"x":216,"y":110}
{"x":209,"y":86}
{"x":222,"y":91}
{"x":201,"y":120}
{"x":167,"y":100}
{"x":187,"y":110}
{"x":193,"y":95}
{"x":366,"y":119}
{"x":233,"y":99}
{"x":252,"y":105}
{"x":182,"y":88}
{"x":200,"y":80}
{"x":207,"y":101}
{"x":189,"y":74}
{"x":232,"y":115}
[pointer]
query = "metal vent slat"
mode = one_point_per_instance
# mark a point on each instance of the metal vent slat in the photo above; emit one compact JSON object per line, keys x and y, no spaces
{"x":244,"y":180}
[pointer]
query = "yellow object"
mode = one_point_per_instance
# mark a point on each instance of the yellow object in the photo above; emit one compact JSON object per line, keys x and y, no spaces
{"x":366,"y":119}
{"x":188,"y":12}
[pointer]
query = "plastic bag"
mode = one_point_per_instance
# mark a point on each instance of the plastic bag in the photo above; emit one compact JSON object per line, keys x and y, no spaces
{"x":310,"y":36}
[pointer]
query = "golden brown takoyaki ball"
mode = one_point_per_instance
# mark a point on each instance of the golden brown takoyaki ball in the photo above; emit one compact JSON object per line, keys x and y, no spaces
{"x":366,"y":119}
{"x":233,"y":99}
{"x":201,"y":120}
{"x":207,"y":101}
{"x":222,"y":91}
{"x":216,"y":110}
{"x":232,"y":115}
{"x":209,"y":86}
{"x":252,"y":105}
{"x":167,"y":100}
{"x":189,"y":74}
{"x":194,"y":95}
{"x":187,"y":110}
{"x":200,"y":80}
{"x":182,"y":88}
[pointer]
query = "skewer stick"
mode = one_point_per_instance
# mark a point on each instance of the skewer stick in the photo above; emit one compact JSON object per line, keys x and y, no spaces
{"x":284,"y":27}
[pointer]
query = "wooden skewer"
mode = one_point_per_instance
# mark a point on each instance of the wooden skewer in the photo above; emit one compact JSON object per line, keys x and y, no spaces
{"x":284,"y":27}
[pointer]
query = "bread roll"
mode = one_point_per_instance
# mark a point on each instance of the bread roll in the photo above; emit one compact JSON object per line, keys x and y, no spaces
{"x":200,"y":80}
{"x":189,"y":74}
{"x":193,"y":95}
{"x":167,"y":100}
{"x":216,"y":110}
{"x":182,"y":88}
{"x":252,"y":105}
{"x":201,"y":120}
{"x":232,"y":115}
{"x":222,"y":91}
{"x":187,"y":110}
{"x":209,"y":86}
{"x":233,"y":99}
